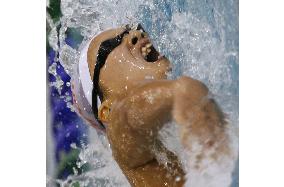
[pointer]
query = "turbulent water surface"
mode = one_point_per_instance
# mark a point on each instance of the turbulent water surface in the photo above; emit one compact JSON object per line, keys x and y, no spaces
{"x":199,"y":37}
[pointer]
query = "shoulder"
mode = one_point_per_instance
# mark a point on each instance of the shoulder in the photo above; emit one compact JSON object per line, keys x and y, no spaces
{"x":191,"y":87}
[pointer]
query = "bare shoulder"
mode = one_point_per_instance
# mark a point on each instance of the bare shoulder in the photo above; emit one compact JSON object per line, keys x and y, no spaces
{"x":191,"y":100}
{"x":191,"y":87}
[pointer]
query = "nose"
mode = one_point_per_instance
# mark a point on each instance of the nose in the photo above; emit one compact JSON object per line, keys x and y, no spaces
{"x":144,"y":34}
{"x":135,"y":36}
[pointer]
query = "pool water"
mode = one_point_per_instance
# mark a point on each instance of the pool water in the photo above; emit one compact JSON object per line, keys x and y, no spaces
{"x":199,"y":37}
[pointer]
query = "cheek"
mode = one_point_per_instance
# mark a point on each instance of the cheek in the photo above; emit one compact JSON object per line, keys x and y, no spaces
{"x":120,"y":54}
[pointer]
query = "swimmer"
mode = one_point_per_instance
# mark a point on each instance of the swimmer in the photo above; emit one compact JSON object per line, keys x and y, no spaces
{"x":123,"y":90}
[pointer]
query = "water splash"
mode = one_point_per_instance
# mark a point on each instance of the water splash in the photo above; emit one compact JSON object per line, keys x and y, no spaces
{"x":58,"y":83}
{"x":199,"y":37}
{"x":104,"y":170}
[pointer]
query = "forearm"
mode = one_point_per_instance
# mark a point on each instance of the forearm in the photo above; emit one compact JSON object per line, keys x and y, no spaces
{"x":205,"y":134}
{"x":153,"y":174}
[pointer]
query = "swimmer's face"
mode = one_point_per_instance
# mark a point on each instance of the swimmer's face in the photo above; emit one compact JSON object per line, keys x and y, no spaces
{"x":133,"y":61}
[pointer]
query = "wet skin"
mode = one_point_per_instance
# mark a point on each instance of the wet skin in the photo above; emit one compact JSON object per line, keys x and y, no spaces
{"x":139,"y":100}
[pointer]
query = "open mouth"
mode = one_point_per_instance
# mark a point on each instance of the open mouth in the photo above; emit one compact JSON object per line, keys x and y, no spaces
{"x":149,"y":53}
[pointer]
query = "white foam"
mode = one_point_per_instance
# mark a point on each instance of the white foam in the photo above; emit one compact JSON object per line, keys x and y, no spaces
{"x":195,"y":35}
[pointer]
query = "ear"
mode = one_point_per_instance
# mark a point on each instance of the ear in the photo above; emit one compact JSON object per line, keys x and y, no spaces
{"x":104,"y":111}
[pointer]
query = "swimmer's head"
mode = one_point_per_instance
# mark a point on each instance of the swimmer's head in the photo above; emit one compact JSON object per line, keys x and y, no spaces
{"x":129,"y":59}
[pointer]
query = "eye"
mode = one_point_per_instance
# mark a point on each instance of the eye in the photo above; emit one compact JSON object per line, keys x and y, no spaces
{"x":134,"y":40}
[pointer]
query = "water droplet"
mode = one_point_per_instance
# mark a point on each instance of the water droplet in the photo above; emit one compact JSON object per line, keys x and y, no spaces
{"x":73,"y":145}
{"x":178,"y":178}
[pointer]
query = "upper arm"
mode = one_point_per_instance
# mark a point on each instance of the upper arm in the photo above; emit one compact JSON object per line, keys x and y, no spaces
{"x":129,"y":147}
{"x":135,"y":121}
